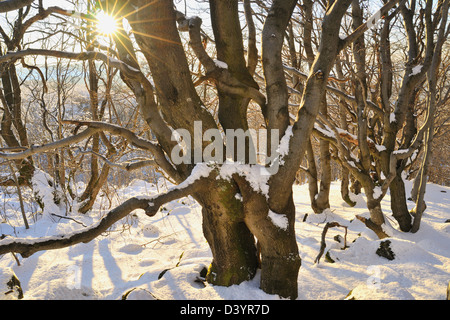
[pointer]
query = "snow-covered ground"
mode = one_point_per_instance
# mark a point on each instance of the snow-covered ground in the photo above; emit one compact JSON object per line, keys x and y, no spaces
{"x":136,"y":251}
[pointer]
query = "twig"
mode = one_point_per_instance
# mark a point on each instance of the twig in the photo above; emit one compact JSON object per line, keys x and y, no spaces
{"x":63,"y":217}
{"x":158,"y":239}
{"x":15,"y":258}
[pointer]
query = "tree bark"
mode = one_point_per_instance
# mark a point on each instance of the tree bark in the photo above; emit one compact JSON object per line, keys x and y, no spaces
{"x":399,"y":208}
{"x":323,"y":197}
{"x":280,"y":261}
{"x":235,"y":257}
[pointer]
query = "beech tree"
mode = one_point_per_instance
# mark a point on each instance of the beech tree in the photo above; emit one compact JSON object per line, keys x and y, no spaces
{"x":248,"y":209}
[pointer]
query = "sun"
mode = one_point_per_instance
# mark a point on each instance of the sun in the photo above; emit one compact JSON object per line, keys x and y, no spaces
{"x":106,"y":24}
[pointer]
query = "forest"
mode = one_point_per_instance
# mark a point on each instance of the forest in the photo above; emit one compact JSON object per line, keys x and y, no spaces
{"x":224,"y":149}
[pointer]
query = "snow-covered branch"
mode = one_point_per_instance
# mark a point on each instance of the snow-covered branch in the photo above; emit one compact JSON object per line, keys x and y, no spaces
{"x":150,"y":205}
{"x":27,"y":247}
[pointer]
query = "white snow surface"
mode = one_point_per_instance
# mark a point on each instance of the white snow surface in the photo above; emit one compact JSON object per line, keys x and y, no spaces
{"x":221,"y":64}
{"x":134,"y":252}
{"x":283,"y":148}
{"x":280,"y":220}
{"x":377,"y":192}
{"x":416,"y":70}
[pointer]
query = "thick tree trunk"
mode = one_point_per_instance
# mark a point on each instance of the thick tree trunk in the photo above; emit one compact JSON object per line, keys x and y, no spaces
{"x":233,"y":246}
{"x":397,"y":190}
{"x":280,"y":260}
{"x":420,"y":206}
{"x":345,"y":184}
{"x":312,"y":176}
{"x":320,"y":200}
{"x":12,"y":116}
{"x":376,"y":221}
{"x":398,"y":203}
{"x":323,"y":197}
{"x":229,"y":45}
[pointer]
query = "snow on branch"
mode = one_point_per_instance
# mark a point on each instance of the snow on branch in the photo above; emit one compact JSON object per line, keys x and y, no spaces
{"x":27,"y":247}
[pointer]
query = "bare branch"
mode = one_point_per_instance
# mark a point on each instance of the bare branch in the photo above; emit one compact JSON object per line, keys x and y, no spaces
{"x":252,"y":54}
{"x":123,"y":166}
{"x":154,"y":148}
{"x":370,"y":22}
{"x":50,"y":146}
{"x":129,"y":71}
{"x":341,"y":94}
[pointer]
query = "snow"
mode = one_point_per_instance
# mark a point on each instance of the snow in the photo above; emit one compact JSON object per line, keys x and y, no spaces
{"x":279,"y":220}
{"x":130,"y":256}
{"x":416,"y":70}
{"x":400,"y":151}
{"x":45,"y":192}
{"x":283,"y":148}
{"x":377,"y":192}
{"x":380,"y":148}
{"x":201,"y":170}
{"x":8,"y":289}
{"x":256,"y":175}
{"x":221,"y":64}
{"x":392,"y":117}
{"x":352,"y":163}
{"x":325,"y":132}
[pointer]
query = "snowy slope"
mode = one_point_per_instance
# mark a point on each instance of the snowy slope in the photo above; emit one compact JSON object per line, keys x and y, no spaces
{"x":136,"y":251}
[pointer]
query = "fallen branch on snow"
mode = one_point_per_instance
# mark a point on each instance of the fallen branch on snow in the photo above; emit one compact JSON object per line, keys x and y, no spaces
{"x":324,"y":233}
